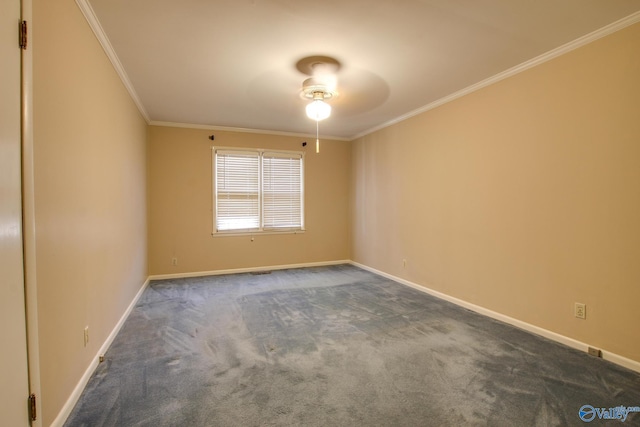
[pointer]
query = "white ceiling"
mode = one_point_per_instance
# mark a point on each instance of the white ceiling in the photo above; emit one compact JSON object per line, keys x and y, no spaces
{"x":232,"y":63}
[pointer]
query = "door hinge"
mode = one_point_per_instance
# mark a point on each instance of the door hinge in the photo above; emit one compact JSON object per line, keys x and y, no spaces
{"x":23,"y":35}
{"x":32,"y":407}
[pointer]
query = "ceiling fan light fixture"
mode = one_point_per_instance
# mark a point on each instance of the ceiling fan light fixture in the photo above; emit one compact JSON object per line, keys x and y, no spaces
{"x":318,"y":109}
{"x":318,"y":91}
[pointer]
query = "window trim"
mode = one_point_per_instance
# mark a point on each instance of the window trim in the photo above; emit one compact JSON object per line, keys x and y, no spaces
{"x":260,"y":230}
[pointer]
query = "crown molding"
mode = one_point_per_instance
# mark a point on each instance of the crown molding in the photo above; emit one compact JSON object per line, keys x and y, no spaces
{"x":243,"y":130}
{"x":93,"y":22}
{"x":559,"y":51}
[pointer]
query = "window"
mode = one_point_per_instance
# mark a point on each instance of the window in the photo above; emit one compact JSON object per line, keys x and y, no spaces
{"x":258,"y":190}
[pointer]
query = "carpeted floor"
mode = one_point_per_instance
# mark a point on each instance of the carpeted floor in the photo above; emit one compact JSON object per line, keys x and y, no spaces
{"x":335,"y":346}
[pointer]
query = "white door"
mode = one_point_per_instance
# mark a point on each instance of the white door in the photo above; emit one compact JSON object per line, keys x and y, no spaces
{"x":14,"y":380}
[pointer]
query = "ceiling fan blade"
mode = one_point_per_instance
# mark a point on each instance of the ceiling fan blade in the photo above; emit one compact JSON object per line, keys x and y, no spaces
{"x":360,"y":91}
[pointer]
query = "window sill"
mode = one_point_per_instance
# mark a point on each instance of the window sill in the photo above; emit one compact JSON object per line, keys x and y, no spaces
{"x":253,"y":233}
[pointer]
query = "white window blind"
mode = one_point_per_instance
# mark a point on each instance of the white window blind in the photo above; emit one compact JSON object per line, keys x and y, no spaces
{"x":257,"y":190}
{"x":237,"y":191}
{"x":281,"y":191}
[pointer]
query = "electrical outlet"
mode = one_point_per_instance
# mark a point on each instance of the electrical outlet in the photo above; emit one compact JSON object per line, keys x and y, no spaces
{"x":86,"y":335}
{"x":580,"y":310}
{"x":174,"y":261}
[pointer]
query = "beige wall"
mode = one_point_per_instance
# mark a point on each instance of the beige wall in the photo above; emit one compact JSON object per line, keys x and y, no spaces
{"x":89,"y":160}
{"x":180,"y":204}
{"x":523,"y":197}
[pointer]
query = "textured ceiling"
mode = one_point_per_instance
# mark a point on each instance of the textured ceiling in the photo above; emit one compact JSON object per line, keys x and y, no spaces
{"x":232,"y":63}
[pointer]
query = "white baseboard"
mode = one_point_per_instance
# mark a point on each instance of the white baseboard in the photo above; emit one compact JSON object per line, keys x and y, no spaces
{"x":247,"y":270}
{"x":77,"y":391}
{"x":607,"y":355}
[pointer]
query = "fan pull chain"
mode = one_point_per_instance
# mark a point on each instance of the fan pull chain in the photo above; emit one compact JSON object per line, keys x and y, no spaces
{"x":317,"y":137}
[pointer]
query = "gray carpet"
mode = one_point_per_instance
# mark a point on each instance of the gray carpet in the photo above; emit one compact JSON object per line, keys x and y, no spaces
{"x":335,"y":346}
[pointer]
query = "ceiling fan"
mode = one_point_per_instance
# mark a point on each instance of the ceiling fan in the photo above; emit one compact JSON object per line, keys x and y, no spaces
{"x":321,"y":86}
